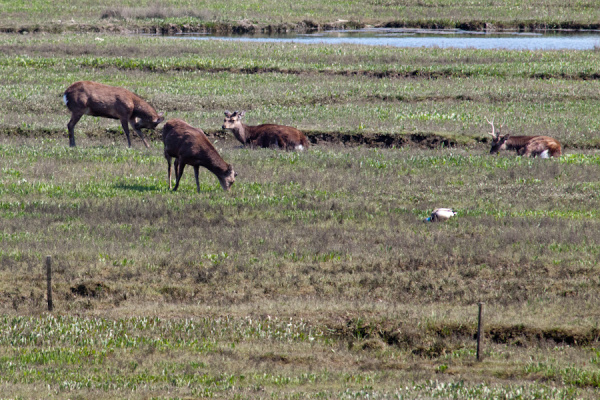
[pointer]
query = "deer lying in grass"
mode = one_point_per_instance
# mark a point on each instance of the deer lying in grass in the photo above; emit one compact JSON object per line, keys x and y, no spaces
{"x":266,"y":135}
{"x":99,"y":100}
{"x":543,"y":146}
{"x":188,"y":145}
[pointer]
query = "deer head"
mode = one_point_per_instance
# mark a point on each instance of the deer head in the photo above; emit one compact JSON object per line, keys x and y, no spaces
{"x":233,"y":121}
{"x":149,"y":124}
{"x":498,"y":142}
{"x":228,"y":178}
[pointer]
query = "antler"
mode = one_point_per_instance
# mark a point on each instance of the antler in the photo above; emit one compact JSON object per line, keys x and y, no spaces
{"x":501,"y":125}
{"x":493,"y":133}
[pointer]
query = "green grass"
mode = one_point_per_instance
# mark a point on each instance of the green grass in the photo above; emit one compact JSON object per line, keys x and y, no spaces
{"x":314,"y":277}
{"x":64,"y":15}
{"x":342,"y":214}
{"x":339,"y":89}
{"x":240,"y":358}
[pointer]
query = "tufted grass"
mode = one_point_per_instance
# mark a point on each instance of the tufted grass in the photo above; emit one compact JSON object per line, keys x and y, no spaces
{"x":109,"y":14}
{"x":314,"y":277}
{"x":312,"y":260}
{"x":327,"y":89}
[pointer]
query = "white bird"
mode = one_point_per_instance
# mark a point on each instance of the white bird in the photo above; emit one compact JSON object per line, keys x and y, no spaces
{"x":440,"y":214}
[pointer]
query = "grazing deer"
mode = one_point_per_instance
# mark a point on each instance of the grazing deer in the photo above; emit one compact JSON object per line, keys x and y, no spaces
{"x":266,"y":135}
{"x":189,"y":145}
{"x":98,"y":100}
{"x":543,"y":146}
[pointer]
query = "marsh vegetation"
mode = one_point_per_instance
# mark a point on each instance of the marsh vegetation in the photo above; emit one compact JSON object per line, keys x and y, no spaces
{"x":313,"y":277}
{"x":271,"y":15}
{"x":330,"y":239}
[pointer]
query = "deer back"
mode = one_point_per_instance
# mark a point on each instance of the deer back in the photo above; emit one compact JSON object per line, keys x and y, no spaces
{"x":266,"y":135}
{"x":192,"y":147}
{"x":270,"y":135}
{"x":99,"y":100}
{"x":534,"y":145}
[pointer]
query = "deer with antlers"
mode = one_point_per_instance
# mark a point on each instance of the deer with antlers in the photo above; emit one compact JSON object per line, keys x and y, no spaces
{"x":529,"y":146}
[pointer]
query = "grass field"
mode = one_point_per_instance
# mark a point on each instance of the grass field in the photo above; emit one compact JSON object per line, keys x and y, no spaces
{"x":64,"y":15}
{"x":314,"y":277}
{"x":344,"y":89}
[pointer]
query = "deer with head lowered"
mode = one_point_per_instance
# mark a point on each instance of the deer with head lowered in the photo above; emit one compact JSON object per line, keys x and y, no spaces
{"x":188,"y":145}
{"x":266,"y":135}
{"x":529,"y":146}
{"x":99,"y":100}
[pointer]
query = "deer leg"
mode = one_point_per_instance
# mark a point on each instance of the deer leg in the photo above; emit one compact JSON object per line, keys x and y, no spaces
{"x":176,"y":166}
{"x":139,"y":132}
{"x":125,"y":126}
{"x":168,"y":157}
{"x":178,"y":173}
{"x":71,"y":127}
{"x":196,"y":172}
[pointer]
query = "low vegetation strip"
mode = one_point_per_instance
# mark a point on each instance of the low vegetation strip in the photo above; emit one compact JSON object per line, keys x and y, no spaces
{"x":313,"y":276}
{"x":406,"y":336}
{"x":547,"y":69}
{"x":343,"y":207}
{"x":231,"y":357}
{"x":269,"y":16}
{"x":377,"y":140}
{"x":329,"y":90}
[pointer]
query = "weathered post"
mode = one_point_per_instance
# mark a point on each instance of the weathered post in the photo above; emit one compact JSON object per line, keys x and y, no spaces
{"x":49,"y":281}
{"x":479,"y":331}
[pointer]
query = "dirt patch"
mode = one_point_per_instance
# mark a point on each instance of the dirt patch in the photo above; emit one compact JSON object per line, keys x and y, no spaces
{"x":437,"y":340}
{"x":381,"y":140}
{"x":90,"y":289}
{"x":271,"y":358}
{"x":41,"y":132}
{"x":520,"y":335}
{"x":426,"y":140}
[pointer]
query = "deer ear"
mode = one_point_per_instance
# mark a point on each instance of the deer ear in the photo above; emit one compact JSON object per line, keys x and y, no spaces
{"x":227,"y":114}
{"x":242,"y":113}
{"x":505,"y":137}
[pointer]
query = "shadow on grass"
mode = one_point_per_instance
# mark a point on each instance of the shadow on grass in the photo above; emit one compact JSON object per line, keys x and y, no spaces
{"x":138,"y":188}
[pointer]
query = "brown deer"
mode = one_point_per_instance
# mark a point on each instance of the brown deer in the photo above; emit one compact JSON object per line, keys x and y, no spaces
{"x":188,"y":145}
{"x":266,"y":135}
{"x":529,"y":146}
{"x":99,"y":100}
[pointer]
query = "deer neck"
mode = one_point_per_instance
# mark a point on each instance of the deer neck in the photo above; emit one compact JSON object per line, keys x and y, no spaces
{"x":143,"y":110}
{"x":219,"y":167}
{"x":241,"y":132}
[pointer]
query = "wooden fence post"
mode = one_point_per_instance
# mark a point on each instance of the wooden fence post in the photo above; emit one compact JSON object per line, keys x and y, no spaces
{"x":49,"y":281}
{"x":479,"y":331}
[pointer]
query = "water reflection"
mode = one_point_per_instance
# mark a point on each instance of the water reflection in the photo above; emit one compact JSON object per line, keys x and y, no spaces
{"x":432,"y":38}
